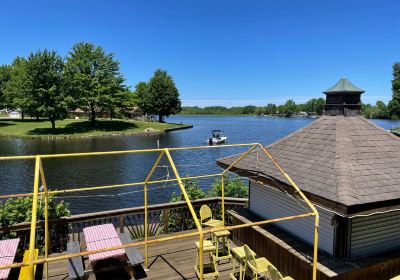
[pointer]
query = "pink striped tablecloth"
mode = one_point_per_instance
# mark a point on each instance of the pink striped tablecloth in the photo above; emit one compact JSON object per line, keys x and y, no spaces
{"x":8,"y":249}
{"x":102,"y":237}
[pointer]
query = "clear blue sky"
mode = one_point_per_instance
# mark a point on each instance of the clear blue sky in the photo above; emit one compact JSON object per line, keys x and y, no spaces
{"x":222,"y":52}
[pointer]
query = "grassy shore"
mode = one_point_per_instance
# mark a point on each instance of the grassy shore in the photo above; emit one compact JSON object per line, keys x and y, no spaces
{"x":80,"y":128}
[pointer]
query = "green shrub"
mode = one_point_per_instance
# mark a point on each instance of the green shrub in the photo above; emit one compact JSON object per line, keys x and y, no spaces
{"x":234,"y":186}
{"x":19,"y":210}
{"x":180,"y":219}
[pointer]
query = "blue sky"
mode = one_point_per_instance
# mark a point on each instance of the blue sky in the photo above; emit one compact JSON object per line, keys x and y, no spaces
{"x":225,"y":53}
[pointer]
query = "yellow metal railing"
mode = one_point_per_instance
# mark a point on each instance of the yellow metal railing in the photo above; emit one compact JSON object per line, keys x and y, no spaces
{"x":165,"y":152}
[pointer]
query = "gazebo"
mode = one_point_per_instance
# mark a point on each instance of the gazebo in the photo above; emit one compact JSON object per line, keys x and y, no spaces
{"x":347,"y":166}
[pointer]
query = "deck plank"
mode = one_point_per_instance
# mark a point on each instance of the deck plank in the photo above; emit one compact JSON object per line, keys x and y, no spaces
{"x":170,"y":260}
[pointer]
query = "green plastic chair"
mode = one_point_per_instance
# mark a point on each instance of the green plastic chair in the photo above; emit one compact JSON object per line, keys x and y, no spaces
{"x":255,"y":266}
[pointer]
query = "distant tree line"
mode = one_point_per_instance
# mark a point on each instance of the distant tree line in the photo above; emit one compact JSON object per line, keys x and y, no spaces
{"x":46,"y":85}
{"x":314,"y":106}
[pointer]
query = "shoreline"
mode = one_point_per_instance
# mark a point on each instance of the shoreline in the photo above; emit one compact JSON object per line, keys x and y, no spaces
{"x":147,"y":131}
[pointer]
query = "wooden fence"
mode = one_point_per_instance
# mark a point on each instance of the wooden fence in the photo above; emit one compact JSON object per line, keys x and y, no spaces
{"x":128,"y":219}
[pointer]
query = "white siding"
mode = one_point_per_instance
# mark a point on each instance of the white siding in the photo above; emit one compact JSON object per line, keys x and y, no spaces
{"x":270,"y":203}
{"x":375,"y":234}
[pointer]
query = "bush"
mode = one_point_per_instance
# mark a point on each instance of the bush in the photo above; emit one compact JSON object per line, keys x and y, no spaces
{"x":233,"y":187}
{"x":180,"y":219}
{"x":19,"y":210}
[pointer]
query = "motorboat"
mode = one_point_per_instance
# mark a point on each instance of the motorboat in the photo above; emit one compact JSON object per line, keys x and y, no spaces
{"x":217,"y":137}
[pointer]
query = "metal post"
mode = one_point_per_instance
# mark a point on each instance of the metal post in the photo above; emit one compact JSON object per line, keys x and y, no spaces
{"x":223,"y":199}
{"x":191,"y":209}
{"x":32,"y":238}
{"x":146,"y":222}
{"x":46,"y":218}
{"x":315,"y":257}
{"x":312,"y":207}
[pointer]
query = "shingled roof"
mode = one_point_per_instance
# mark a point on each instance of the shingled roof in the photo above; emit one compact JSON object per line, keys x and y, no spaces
{"x":342,"y":86}
{"x":346,"y":160}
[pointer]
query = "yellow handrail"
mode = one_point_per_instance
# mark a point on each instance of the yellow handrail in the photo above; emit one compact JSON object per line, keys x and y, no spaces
{"x":39,"y":175}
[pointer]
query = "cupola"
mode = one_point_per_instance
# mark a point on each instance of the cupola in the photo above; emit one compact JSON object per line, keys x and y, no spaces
{"x":343,"y":98}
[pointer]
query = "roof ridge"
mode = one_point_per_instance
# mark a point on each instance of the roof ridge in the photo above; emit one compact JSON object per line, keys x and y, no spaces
{"x":344,"y":160}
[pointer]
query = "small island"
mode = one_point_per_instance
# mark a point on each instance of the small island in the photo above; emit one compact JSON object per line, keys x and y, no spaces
{"x":82,"y":128}
{"x":81,"y":95}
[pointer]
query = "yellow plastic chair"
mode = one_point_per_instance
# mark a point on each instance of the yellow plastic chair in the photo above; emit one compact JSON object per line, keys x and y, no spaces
{"x":206,"y":217}
{"x":274,"y":274}
{"x":255,"y":266}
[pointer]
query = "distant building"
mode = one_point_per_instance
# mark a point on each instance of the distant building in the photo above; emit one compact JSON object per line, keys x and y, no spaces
{"x":15,"y":114}
{"x":134,"y":113}
{"x":350,"y":169}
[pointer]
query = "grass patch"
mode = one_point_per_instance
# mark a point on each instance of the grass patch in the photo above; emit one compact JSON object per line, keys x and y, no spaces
{"x":77,"y":128}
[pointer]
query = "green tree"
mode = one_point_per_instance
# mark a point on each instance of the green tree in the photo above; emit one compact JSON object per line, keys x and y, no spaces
{"x":271,"y":109}
{"x":367,"y":110}
{"x":289,"y":108}
{"x":16,"y":89}
{"x":159,"y":96}
{"x":93,"y":81}
{"x":5,"y":76}
{"x":380,"y":110}
{"x":394,"y":104}
{"x":314,"y":106}
{"x":45,"y":75}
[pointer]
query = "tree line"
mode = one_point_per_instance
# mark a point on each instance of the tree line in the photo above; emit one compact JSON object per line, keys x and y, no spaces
{"x":46,"y":85}
{"x":313,"y":106}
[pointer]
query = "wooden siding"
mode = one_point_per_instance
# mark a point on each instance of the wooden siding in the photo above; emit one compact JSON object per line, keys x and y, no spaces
{"x":374,"y":234}
{"x":295,"y":260}
{"x":269,"y":203}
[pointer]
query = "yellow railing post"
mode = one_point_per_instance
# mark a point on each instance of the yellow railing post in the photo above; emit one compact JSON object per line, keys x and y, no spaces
{"x":223,"y":199}
{"x":46,"y":218}
{"x":146,"y":222}
{"x":191,"y":209}
{"x":308,"y":202}
{"x":32,"y":239}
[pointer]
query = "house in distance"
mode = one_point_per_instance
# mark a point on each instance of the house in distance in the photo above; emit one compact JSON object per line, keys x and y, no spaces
{"x":350,"y":170}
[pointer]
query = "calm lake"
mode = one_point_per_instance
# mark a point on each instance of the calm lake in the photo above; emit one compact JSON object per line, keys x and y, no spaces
{"x":65,"y":173}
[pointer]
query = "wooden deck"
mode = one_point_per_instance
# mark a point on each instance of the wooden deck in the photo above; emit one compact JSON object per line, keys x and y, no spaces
{"x":167,"y":260}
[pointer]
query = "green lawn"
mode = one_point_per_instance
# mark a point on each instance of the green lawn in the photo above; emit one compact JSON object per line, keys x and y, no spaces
{"x":77,"y":128}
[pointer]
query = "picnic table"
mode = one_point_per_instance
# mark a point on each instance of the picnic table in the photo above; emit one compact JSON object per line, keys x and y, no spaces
{"x":8,"y":249}
{"x":103,"y":237}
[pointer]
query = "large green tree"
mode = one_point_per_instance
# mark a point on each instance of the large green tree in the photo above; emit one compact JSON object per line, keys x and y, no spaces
{"x":5,"y":76}
{"x":159,"y":96}
{"x":45,"y":76}
{"x":394,"y":104}
{"x":16,"y":89}
{"x":93,"y":80}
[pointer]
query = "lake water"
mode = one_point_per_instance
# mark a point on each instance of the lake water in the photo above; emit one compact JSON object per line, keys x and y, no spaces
{"x":65,"y":173}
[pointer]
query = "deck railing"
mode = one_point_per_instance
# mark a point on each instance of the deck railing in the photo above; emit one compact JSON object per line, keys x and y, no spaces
{"x":164,"y":153}
{"x":126,"y":219}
